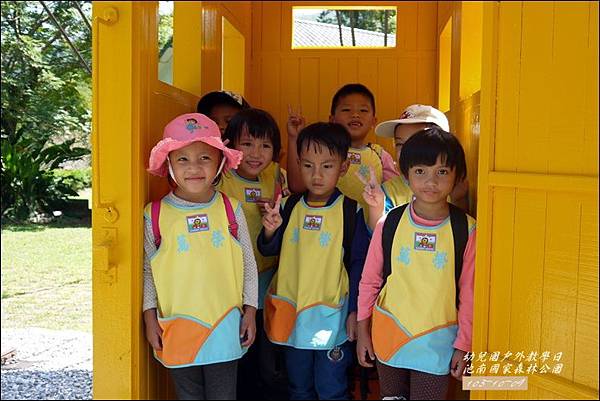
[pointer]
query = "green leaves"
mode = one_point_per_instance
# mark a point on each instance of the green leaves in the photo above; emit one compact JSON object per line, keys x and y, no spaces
{"x":46,"y":100}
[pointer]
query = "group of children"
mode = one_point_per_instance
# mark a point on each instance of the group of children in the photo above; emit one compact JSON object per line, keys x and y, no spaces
{"x":256,"y":290}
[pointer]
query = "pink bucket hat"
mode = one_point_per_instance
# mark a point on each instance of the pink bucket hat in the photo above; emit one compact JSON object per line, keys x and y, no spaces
{"x":416,"y":113}
{"x":184,"y":130}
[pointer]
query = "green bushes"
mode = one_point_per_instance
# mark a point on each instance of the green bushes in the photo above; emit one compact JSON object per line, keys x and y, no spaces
{"x":29,"y":182}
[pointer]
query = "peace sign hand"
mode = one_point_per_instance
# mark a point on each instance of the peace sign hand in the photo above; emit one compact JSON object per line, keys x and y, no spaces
{"x":272,"y":218}
{"x":372,"y":194}
{"x":295,"y":121}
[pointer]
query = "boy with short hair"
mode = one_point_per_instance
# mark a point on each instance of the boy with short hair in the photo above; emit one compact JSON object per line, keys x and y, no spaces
{"x":311,"y":302}
{"x":352,"y":106}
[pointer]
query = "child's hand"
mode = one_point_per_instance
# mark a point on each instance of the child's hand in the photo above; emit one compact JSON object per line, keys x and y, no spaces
{"x":295,"y":121}
{"x":372,"y":194}
{"x":458,"y":364}
{"x":248,"y":326}
{"x":153,"y":329}
{"x":272,"y":219}
{"x":351,"y":326}
{"x":364,"y":345}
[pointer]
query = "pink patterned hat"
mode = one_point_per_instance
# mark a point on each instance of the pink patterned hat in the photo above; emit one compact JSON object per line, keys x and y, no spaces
{"x":184,"y":130}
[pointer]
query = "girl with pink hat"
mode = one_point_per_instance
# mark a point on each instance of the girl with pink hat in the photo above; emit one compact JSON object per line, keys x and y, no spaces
{"x":200,"y":275}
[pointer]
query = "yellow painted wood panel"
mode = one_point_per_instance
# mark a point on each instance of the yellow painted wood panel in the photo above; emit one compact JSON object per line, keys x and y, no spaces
{"x":501,"y":270}
{"x":309,"y":88}
{"x":590,"y":146}
{"x":426,"y":68}
{"x":568,"y":83}
{"x":427,"y":25}
{"x":586,"y":340}
{"x":528,"y":264}
{"x":563,"y":216}
{"x":406,"y":25}
{"x":387,"y":103}
{"x":407,"y":86}
{"x":508,"y":76}
{"x":271,"y":26}
{"x":348,"y":70}
{"x":534,"y":116}
{"x":328,"y":85}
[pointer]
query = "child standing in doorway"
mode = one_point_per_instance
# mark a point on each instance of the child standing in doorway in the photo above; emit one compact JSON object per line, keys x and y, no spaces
{"x":254,"y":132}
{"x":416,"y":292}
{"x":200,"y":280}
{"x":310,"y":305}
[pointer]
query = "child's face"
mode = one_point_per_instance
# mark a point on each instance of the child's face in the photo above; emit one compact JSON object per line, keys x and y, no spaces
{"x":432,"y":184}
{"x":258,"y":153}
{"x":320,"y":171}
{"x":355,"y":112}
{"x":195,"y":167}
{"x":403,"y":132}
{"x":221,"y":114}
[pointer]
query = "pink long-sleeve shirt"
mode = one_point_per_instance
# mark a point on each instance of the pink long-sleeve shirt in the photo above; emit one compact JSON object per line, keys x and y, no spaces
{"x":372,"y":280}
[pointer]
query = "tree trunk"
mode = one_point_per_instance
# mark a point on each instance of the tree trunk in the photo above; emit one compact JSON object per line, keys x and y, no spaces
{"x":339,"y":20}
{"x":352,"y":25}
{"x":386,"y":16}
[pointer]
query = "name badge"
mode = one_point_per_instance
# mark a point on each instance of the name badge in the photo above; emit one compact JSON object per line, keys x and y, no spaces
{"x":252,"y":194}
{"x":312,"y":222}
{"x":354,"y":157}
{"x":197,"y":223}
{"x":425,"y":242}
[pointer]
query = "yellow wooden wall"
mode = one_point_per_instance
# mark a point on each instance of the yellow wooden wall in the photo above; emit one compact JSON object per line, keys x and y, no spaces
{"x":533,"y":166}
{"x":537,"y":251}
{"x":397,"y":76}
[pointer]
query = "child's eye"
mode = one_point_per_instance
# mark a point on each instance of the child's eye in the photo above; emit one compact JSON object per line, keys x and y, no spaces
{"x":267,"y":145}
{"x":419,"y":171}
{"x":443,"y":172}
{"x":205,"y":157}
{"x":182,"y":159}
{"x":306,"y":165}
{"x":364,"y":110}
{"x":246,"y":144}
{"x":328,"y":166}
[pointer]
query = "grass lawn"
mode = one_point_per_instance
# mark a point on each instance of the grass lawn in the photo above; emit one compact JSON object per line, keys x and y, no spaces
{"x":47,"y":276}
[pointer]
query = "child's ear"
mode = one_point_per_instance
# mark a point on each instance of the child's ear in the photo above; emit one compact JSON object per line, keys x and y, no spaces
{"x":344,"y":168}
{"x":374,"y":122}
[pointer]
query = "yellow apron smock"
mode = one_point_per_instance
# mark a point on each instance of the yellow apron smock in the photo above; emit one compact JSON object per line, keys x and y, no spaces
{"x":361,"y":160}
{"x":397,"y":192}
{"x":307,"y":302}
{"x":249,"y":192}
{"x":415,"y":318}
{"x":198,"y":274}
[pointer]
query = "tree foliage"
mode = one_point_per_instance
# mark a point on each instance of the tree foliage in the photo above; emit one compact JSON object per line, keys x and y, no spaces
{"x":383,"y":21}
{"x":46,"y":102}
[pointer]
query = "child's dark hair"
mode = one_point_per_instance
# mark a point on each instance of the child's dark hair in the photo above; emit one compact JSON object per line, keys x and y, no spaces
{"x":351,"y":89}
{"x":331,"y":135}
{"x":219,"y":98}
{"x":425,"y":146}
{"x":259,"y":124}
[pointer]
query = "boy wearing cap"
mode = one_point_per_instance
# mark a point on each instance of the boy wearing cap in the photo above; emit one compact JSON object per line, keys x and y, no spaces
{"x":396,"y":191}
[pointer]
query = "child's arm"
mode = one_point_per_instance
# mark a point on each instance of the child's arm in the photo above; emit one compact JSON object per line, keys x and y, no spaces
{"x":462,"y":344}
{"x":360,"y":246}
{"x":368,"y":291}
{"x":250,"y":291}
{"x":294,"y":126}
{"x":373,"y":196}
{"x":153,"y":329}
{"x":389,"y":166}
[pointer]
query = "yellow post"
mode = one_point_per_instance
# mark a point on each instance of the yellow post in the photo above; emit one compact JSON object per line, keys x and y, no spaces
{"x":116,"y":197}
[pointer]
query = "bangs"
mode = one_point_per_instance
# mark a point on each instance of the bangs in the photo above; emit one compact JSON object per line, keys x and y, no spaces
{"x":424,"y":148}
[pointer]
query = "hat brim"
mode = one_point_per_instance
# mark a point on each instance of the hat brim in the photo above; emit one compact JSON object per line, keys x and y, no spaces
{"x":387,"y":128}
{"x":158,"y":156}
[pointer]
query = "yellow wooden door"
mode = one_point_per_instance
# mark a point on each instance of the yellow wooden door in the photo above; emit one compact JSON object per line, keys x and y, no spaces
{"x":537,"y":250}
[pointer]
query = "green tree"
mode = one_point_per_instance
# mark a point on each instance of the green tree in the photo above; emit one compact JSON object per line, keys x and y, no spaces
{"x":46,"y":102}
{"x":383,"y":21}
